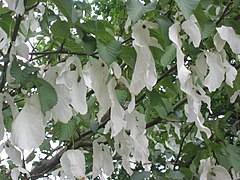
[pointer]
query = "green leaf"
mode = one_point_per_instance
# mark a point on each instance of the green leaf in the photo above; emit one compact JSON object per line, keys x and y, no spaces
{"x":30,"y":3}
{"x":30,"y":157}
{"x":121,"y":96}
{"x":65,"y":131}
{"x":187,"y":6}
{"x":8,"y":119}
{"x":135,"y":9}
{"x":7,"y":24}
{"x":67,"y":9}
{"x":168,"y":56}
{"x":60,"y":29}
{"x":46,"y":93}
{"x":209,"y":28}
{"x":45,"y":146}
{"x":98,"y":28}
{"x":4,"y":10}
{"x":201,"y":17}
{"x":174,"y":174}
{"x":108,"y":51}
{"x":154,"y":97}
{"x":20,"y":75}
{"x":89,"y":44}
{"x":233,"y":155}
{"x":128,"y":54}
{"x":140,"y":175}
{"x":94,"y":126}
{"x":164,"y":24}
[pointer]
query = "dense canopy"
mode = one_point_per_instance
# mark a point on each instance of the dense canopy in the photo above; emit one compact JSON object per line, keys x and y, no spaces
{"x":120,"y":89}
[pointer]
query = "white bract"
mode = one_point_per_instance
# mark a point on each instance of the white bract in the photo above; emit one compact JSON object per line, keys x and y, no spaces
{"x":102,"y":158}
{"x":13,"y":153}
{"x":73,"y":163}
{"x":3,"y":38}
{"x":62,"y":110}
{"x":70,"y":79}
{"x":12,"y":105}
{"x":16,"y":5}
{"x":15,"y":172}
{"x":218,"y":42}
{"x":201,"y":67}
{"x":70,"y":90}
{"x":228,"y":34}
{"x":124,"y":146}
{"x":216,"y":71}
{"x":191,"y":28}
{"x":28,"y":129}
{"x":209,"y":171}
{"x":21,"y":50}
{"x":192,"y":109}
{"x":117,"y":122}
{"x":144,"y":74}
{"x":95,"y":76}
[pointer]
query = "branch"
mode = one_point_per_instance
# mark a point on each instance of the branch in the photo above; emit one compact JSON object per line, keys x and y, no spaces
{"x":159,"y":120}
{"x":14,"y":37}
{"x":49,"y":164}
{"x":226,"y":11}
{"x":33,"y":6}
{"x":169,"y":12}
{"x":181,"y":146}
{"x":58,"y":52}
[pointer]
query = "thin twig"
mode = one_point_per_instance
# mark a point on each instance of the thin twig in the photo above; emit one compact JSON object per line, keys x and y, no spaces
{"x":181,"y":146}
{"x":46,"y":53}
{"x":225,"y":12}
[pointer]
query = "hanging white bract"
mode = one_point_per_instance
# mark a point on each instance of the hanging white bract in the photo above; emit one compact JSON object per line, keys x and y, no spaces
{"x":73,"y":163}
{"x":28,"y":128}
{"x":144,"y":74}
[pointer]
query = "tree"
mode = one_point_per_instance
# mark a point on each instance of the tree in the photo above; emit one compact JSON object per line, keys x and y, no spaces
{"x":120,"y":89}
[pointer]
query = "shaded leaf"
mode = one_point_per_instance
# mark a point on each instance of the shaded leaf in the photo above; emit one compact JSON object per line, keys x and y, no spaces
{"x":128,"y":54}
{"x":140,"y":175}
{"x":187,"y":7}
{"x":135,"y":9}
{"x":174,"y":174}
{"x":60,"y":29}
{"x":168,"y":56}
{"x":108,"y":51}
{"x":67,"y":9}
{"x":21,"y":75}
{"x":47,"y":94}
{"x":97,"y":28}
{"x":64,"y":131}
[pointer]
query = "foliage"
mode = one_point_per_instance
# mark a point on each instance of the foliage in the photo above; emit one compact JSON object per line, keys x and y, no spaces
{"x":118,"y":89}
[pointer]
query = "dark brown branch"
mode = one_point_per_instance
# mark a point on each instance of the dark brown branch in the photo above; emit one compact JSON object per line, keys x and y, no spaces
{"x":226,"y":11}
{"x":127,"y":40}
{"x":33,"y":6}
{"x":45,"y":167}
{"x":237,"y":17}
{"x":58,"y":52}
{"x":169,"y":12}
{"x":181,"y":146}
{"x":159,"y":120}
{"x":14,"y":37}
{"x":46,"y":53}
